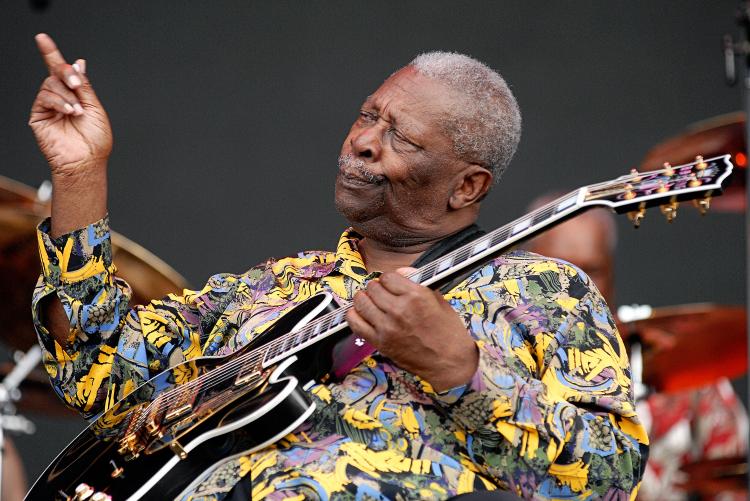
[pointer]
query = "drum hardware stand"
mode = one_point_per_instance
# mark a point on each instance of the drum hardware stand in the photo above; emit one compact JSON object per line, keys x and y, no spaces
{"x":9,"y":393}
{"x":629,"y":314}
{"x":732,"y":50}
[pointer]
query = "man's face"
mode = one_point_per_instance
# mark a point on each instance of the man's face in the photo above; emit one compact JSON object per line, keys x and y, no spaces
{"x":397,"y":168}
{"x":583,"y":242}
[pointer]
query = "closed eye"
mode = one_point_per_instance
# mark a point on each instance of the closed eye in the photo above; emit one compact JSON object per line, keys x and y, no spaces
{"x":401,"y":138}
{"x":368,"y":116}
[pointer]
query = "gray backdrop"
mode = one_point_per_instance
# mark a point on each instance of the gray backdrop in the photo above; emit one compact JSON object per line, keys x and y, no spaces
{"x":228,"y":119}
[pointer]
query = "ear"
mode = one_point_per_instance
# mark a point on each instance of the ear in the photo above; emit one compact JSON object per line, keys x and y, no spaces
{"x":471,"y":185}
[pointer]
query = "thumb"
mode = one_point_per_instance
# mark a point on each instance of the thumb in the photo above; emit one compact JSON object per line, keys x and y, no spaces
{"x":85,"y":92}
{"x":406,"y":271}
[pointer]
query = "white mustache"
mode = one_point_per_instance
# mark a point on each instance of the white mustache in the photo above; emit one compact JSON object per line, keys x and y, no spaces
{"x":349,"y":163}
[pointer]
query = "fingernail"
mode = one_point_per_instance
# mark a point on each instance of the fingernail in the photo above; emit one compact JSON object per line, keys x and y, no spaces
{"x":78,"y":108}
{"x":68,"y":108}
{"x":74,"y":81}
{"x":76,"y":67}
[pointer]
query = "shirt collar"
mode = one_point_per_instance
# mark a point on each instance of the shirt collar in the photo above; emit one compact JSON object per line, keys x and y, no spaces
{"x":349,"y":261}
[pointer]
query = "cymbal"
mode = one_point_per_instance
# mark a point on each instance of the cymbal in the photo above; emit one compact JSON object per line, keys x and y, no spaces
{"x":712,"y":476}
{"x":37,"y":395}
{"x":20,"y":212}
{"x":715,"y":136}
{"x":691,"y":345}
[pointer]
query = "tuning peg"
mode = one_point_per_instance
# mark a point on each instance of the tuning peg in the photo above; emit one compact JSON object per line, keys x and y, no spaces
{"x":670,"y":210}
{"x":663,"y":188}
{"x":700,"y":164}
{"x":634,"y":176}
{"x":668,"y":169}
{"x":629,"y":193}
{"x":702,"y":205}
{"x":693,"y":181}
{"x":636,"y":217}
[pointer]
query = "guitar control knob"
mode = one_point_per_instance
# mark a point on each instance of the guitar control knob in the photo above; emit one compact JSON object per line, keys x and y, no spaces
{"x":700,"y":163}
{"x":83,"y":491}
{"x":116,"y":470}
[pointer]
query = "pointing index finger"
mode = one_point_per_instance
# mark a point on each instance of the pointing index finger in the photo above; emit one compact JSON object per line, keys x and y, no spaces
{"x":50,"y":53}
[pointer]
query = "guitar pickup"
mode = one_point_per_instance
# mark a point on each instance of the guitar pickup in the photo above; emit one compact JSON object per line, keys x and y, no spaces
{"x":245,"y":378}
{"x":178,"y":412}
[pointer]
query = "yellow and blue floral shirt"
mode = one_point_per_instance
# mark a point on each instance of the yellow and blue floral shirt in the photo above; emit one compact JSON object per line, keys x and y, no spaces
{"x":549,"y":413}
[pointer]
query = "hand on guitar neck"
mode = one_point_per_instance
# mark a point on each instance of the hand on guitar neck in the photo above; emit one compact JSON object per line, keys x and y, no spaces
{"x":416,"y":328}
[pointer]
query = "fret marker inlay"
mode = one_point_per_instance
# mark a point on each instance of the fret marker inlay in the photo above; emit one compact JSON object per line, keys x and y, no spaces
{"x":521,"y":226}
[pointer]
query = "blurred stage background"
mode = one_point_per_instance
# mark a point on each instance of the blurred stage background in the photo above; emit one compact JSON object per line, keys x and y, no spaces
{"x":229,"y":116}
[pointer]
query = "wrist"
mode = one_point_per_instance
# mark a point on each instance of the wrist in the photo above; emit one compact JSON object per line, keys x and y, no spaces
{"x":79,"y":173}
{"x":79,"y":197}
{"x":460,"y":374}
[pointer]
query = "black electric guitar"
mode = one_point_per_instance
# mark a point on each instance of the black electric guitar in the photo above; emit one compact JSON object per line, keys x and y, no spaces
{"x":167,"y":433}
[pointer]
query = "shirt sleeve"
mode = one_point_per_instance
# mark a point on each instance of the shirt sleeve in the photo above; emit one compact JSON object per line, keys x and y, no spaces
{"x":112,"y":348}
{"x":549,"y":410}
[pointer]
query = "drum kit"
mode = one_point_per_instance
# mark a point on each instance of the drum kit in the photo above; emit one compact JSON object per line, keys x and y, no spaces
{"x":675,"y":340}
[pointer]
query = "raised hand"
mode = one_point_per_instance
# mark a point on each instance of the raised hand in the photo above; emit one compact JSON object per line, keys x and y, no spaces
{"x":69,"y":123}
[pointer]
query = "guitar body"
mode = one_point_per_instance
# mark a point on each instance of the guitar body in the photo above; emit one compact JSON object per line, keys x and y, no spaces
{"x":224,"y":418}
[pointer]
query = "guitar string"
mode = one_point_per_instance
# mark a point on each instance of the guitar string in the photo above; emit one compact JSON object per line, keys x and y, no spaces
{"x":253,"y":358}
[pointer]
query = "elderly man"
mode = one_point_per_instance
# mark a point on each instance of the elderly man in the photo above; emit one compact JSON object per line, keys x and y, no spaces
{"x":515,"y":379}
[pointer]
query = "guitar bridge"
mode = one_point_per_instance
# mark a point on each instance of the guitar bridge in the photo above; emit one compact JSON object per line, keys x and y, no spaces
{"x":175,"y":413}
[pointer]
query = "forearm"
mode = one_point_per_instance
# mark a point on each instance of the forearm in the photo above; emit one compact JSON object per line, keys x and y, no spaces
{"x":521,"y":427}
{"x":54,"y":317}
{"x":78,"y":198}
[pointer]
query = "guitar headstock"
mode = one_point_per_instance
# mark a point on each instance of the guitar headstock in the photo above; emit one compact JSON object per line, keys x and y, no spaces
{"x":667,"y":187}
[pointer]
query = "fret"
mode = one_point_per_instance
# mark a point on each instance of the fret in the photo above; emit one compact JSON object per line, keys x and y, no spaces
{"x":444,"y":264}
{"x":541,"y":217}
{"x":568,"y":202}
{"x":290,"y":342}
{"x":521,"y":226}
{"x":338,"y":318}
{"x":275,"y":349}
{"x":305,"y":335}
{"x":325,"y":324}
{"x":480,"y":247}
{"x":424,"y":274}
{"x":463,"y":255}
{"x":499,"y":236}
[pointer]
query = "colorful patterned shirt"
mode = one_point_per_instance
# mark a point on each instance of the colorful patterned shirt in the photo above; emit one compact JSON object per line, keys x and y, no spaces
{"x":548,"y":413}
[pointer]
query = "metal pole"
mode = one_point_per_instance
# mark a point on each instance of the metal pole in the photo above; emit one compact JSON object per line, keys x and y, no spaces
{"x":744,"y":21}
